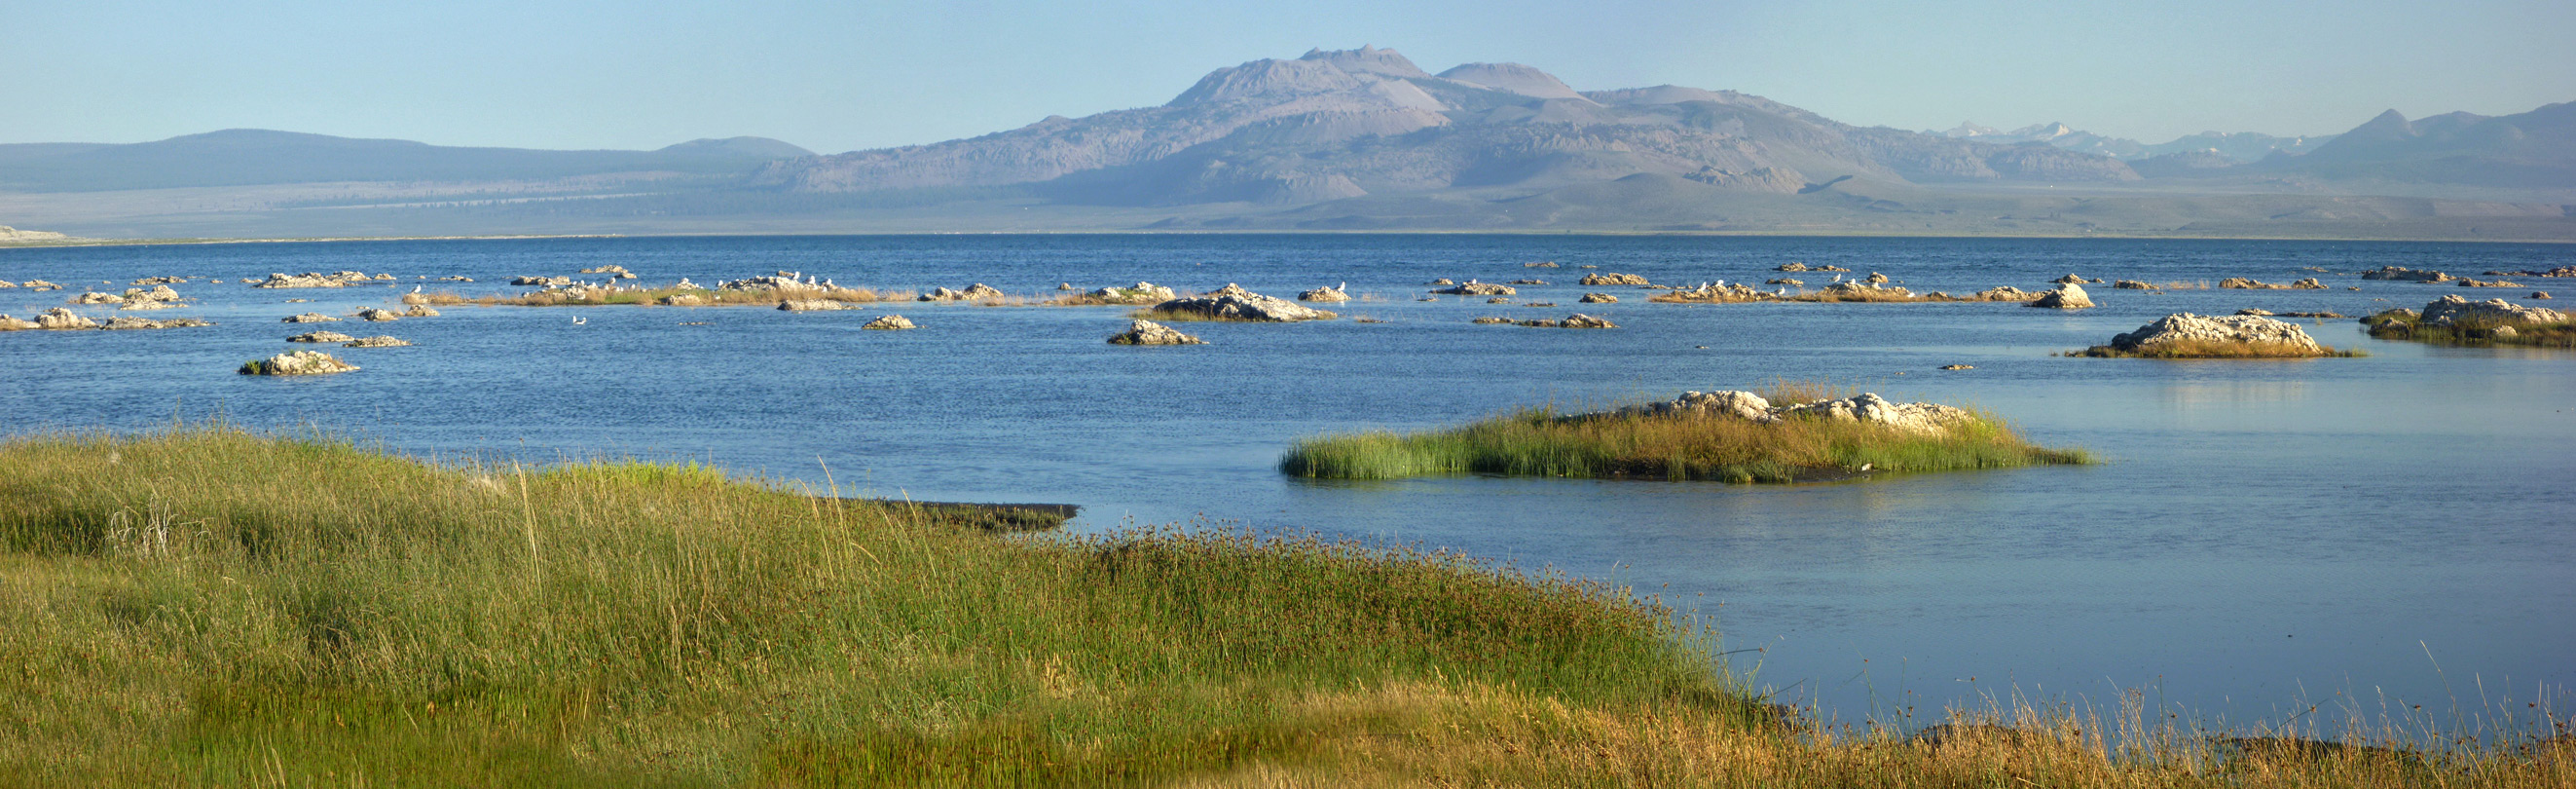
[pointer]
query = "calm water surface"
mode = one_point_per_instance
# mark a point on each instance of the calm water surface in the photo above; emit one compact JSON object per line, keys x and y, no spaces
{"x":2262,"y":535}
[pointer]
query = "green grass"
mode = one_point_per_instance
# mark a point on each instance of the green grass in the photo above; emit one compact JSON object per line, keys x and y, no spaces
{"x":2406,"y":325}
{"x":1540,"y":442}
{"x":213,"y":606}
{"x":207,"y":606}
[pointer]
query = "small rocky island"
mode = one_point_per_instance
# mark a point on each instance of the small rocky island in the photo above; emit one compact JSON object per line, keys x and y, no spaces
{"x":2188,"y":336}
{"x":1792,"y":434}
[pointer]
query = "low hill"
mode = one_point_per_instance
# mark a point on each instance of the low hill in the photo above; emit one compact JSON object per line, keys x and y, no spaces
{"x":239,"y":157}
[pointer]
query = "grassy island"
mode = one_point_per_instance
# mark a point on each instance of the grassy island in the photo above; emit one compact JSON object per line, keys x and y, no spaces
{"x":212,"y":607}
{"x":1691,"y":446}
{"x":2402,"y":324}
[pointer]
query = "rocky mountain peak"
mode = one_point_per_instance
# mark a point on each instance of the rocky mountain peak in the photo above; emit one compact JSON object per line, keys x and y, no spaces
{"x":1367,"y":60}
{"x":1512,"y":77}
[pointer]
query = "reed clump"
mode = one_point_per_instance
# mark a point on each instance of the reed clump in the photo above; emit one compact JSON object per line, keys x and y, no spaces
{"x":1542,"y":442}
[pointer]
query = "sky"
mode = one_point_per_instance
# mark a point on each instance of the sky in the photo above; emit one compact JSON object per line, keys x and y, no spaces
{"x":856,"y":74}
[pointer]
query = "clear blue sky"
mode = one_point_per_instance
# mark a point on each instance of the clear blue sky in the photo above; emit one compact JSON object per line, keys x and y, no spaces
{"x":836,"y":76}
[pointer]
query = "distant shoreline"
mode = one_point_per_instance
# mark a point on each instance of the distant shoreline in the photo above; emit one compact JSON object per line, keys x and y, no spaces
{"x":112,"y":242}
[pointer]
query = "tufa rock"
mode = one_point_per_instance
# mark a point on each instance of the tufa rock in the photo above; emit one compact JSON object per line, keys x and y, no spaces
{"x":976,"y":292}
{"x":320,"y":336}
{"x":129,"y":322}
{"x":1598,"y":298}
{"x":311,"y":317}
{"x":298,"y":363}
{"x":1232,"y":302}
{"x":2069,"y":296}
{"x":378,"y":341}
{"x":59,"y":318}
{"x":814,"y":305}
{"x":2452,"y":309}
{"x":1139,"y":293}
{"x":376,"y":314}
{"x":1150,"y":333}
{"x":1474,"y":288}
{"x":889,"y":323}
{"x":2231,"y":329}
{"x":1613,"y":278}
{"x":313,"y":279}
{"x":2404,"y":274}
{"x":1324,"y":294}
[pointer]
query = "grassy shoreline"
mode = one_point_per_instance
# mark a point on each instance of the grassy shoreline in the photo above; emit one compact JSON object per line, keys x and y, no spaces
{"x":210,"y":606}
{"x":1543,"y":443}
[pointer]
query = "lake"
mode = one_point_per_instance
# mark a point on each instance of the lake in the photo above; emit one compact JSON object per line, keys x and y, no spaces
{"x":2260,"y":536}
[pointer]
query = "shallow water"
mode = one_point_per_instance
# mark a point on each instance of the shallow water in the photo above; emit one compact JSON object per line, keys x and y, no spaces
{"x":2261,"y":535}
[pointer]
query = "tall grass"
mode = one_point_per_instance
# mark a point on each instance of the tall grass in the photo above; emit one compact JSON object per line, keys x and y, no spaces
{"x":1540,"y":442}
{"x":211,"y":606}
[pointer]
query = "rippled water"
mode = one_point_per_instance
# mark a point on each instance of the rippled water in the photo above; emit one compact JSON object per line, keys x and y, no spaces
{"x":2262,"y":534}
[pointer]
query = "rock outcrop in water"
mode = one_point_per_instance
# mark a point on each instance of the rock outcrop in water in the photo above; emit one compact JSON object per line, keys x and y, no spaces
{"x":310,"y":317}
{"x":1150,"y":333}
{"x":1930,"y":418}
{"x":1139,"y":293}
{"x":1233,"y":303}
{"x":2280,"y":338}
{"x":378,"y":341}
{"x":976,"y":292}
{"x":2450,"y":310}
{"x":1329,"y":295}
{"x":314,"y":279}
{"x":321,"y":336}
{"x":815,"y":305}
{"x":1612,"y":278}
{"x":2069,"y":296}
{"x":298,"y":363}
{"x":130,"y":322}
{"x":2404,"y":274}
{"x":1474,"y":288}
{"x":59,"y":318}
{"x":889,"y":323}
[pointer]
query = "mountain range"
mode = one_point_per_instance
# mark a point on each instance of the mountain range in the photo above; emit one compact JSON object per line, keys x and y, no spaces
{"x":1357,"y":139}
{"x":2237,"y":147}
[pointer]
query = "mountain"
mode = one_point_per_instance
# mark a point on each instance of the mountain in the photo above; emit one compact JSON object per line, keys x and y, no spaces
{"x":2535,"y":149}
{"x":1360,"y":139}
{"x":1340,"y":124}
{"x":241,"y":157}
{"x":2236,"y":147}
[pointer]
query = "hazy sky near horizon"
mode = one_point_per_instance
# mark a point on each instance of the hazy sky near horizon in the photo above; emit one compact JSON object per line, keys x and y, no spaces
{"x":837,"y":76}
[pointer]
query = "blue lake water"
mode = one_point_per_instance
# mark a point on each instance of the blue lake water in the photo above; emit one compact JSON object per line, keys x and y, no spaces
{"x":2261,"y":536}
